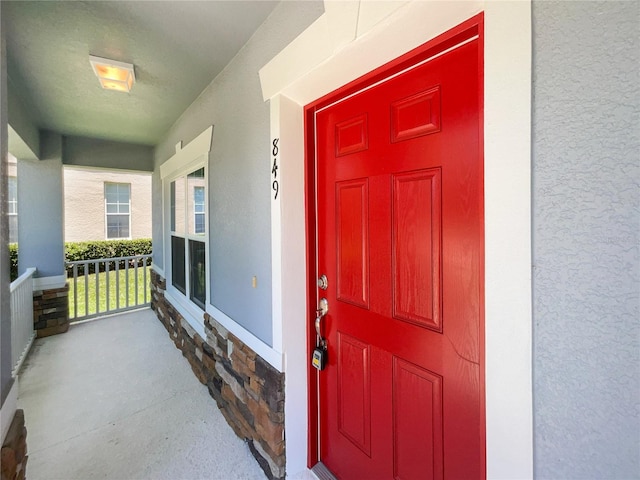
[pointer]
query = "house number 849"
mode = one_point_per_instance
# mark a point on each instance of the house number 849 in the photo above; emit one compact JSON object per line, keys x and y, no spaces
{"x":274,"y":168}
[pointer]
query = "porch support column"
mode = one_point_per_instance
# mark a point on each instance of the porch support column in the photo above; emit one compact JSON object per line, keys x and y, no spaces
{"x":8,"y":388}
{"x":41,"y":234}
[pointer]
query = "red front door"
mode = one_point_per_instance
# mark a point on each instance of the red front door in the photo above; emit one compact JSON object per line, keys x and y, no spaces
{"x":400,"y":228}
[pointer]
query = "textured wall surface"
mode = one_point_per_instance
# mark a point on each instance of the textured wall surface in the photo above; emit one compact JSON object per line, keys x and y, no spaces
{"x":586,"y":235}
{"x":239,"y":170}
{"x":41,"y":226}
{"x":93,"y":152}
{"x":20,"y":120}
{"x":84,"y":207}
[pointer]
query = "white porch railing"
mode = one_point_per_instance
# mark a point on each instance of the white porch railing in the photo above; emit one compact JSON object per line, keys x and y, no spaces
{"x":22,"y":333}
{"x":108,"y":285}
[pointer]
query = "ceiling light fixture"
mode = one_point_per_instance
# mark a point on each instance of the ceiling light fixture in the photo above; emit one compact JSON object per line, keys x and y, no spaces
{"x":113,"y":75}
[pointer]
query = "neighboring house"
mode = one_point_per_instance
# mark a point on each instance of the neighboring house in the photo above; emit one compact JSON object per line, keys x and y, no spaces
{"x":12,"y":191}
{"x":102,"y":204}
{"x":543,"y":250}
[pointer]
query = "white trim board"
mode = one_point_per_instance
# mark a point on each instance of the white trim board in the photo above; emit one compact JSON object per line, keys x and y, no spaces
{"x":347,"y":42}
{"x":199,"y":146}
{"x":195,"y":317}
{"x":190,"y":312}
{"x":273,"y":357}
{"x":276,"y":219}
{"x":157,"y":269}
{"x":49,"y":283}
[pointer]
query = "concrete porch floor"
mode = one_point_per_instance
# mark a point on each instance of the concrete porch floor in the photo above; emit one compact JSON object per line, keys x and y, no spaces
{"x":114,"y":399}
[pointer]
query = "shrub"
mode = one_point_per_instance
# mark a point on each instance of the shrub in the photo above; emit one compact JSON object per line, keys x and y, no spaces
{"x":76,"y":251}
{"x":13,"y":261}
{"x":96,"y":250}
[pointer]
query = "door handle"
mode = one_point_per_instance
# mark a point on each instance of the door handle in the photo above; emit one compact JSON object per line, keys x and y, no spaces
{"x":323,"y":308}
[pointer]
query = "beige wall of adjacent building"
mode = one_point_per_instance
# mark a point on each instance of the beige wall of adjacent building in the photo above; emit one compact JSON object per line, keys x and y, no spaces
{"x":12,"y":166}
{"x":84,"y":202}
{"x":12,"y":173}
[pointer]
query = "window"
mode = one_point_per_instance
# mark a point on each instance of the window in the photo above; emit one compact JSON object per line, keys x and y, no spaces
{"x":13,"y":207}
{"x":197,"y":272}
{"x":178,"y":278}
{"x":198,"y":209}
{"x":13,"y":196}
{"x":118,"y":209}
{"x":188,"y":226}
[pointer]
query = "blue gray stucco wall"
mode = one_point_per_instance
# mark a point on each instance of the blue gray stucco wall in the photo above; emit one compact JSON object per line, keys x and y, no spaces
{"x":239,"y":171}
{"x":94,"y":152}
{"x":24,"y":135}
{"x":40,"y":196}
{"x":586,"y":213}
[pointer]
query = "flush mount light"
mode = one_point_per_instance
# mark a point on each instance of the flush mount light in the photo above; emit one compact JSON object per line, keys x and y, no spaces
{"x":113,"y":75}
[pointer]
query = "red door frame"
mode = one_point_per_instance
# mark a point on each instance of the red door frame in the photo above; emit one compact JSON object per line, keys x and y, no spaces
{"x":464,"y":31}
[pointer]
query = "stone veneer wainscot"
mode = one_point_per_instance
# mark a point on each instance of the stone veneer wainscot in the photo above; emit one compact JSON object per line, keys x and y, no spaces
{"x":51,"y":311}
{"x":13,"y":464}
{"x":248,"y":391}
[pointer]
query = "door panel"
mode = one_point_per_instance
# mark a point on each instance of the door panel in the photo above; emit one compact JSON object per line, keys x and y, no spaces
{"x":416,"y":116}
{"x":416,"y":247}
{"x":352,"y":247}
{"x":354,"y":390}
{"x":399,"y":195}
{"x":352,"y":136}
{"x":417,"y":400}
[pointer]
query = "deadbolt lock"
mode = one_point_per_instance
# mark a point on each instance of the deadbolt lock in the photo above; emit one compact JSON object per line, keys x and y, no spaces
{"x":323,"y":283}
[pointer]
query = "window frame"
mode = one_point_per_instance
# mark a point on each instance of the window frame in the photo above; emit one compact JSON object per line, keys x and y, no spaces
{"x":187,"y":158}
{"x":11,"y":202}
{"x":186,"y":297}
{"x":118,"y":203}
{"x":187,"y":213}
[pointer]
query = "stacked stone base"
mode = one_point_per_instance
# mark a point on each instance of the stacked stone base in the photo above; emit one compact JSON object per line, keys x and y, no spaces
{"x":248,"y":391}
{"x":13,"y":463}
{"x":51,"y":311}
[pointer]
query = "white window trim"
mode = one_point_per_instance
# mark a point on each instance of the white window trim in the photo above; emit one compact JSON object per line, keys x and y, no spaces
{"x":203,"y":238}
{"x":106,"y":213}
{"x":192,"y":157}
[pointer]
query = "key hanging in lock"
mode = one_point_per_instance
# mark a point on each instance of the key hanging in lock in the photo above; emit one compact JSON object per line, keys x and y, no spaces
{"x":319,"y":358}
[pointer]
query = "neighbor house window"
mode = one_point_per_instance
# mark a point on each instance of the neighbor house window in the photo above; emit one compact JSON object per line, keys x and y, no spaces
{"x":13,"y":209}
{"x":117,"y":197}
{"x":188,"y":225}
{"x":13,"y":196}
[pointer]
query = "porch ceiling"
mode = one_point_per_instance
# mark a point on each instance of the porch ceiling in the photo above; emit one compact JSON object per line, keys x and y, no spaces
{"x":177,"y":49}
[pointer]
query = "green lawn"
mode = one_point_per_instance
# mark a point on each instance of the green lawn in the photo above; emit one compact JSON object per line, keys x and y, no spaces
{"x":102,"y":291}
